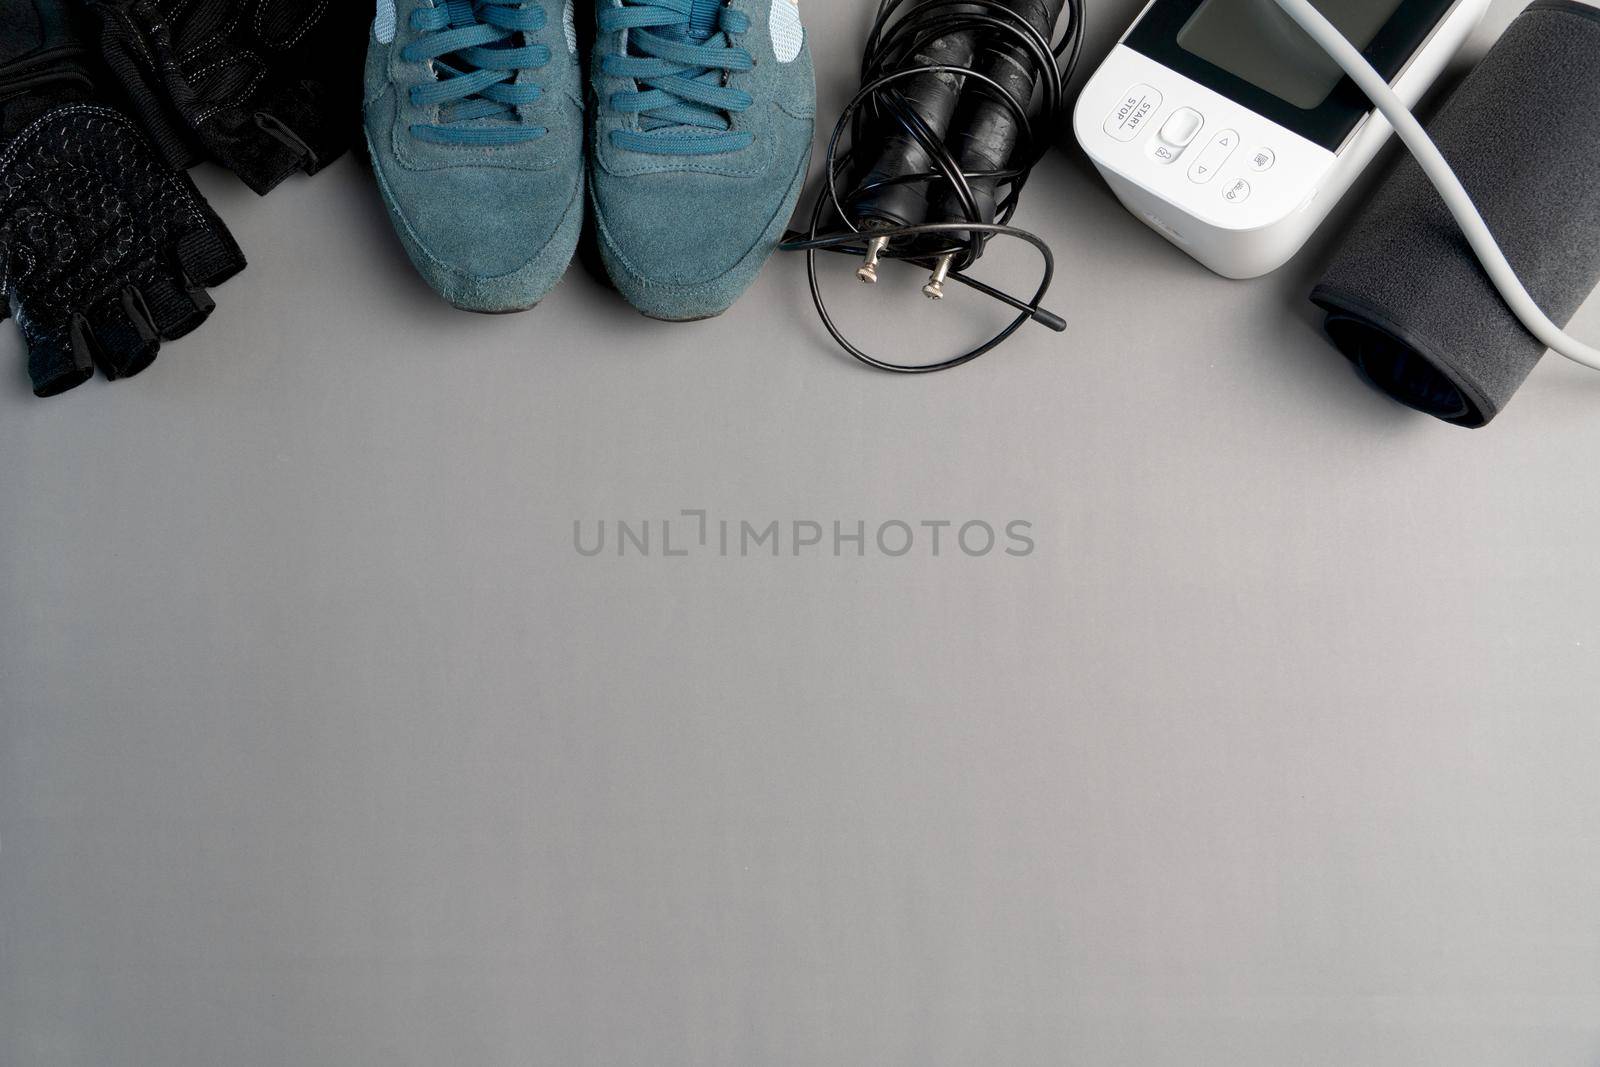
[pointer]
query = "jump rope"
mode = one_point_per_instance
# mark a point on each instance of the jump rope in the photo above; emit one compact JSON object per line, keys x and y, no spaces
{"x":928,"y":162}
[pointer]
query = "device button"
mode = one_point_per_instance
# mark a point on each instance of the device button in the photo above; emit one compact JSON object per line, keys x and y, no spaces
{"x":1132,"y":112}
{"x":1262,"y":159}
{"x":1237,"y":191}
{"x":1181,"y":127}
{"x":1215,"y":155}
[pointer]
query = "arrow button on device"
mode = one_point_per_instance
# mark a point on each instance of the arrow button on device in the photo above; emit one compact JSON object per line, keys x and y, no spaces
{"x":1215,"y":155}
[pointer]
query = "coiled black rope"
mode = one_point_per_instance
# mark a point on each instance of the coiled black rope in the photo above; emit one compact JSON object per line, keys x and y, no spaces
{"x":942,"y":138}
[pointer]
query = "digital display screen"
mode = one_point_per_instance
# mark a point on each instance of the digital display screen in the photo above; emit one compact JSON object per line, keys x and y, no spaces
{"x":1256,"y":41}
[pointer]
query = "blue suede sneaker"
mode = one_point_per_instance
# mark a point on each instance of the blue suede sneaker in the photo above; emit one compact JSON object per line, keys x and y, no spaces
{"x":703,"y":118}
{"x":474,"y":121}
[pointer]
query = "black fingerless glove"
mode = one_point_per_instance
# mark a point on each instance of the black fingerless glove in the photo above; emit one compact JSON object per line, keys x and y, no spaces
{"x":264,"y":87}
{"x":104,"y":249}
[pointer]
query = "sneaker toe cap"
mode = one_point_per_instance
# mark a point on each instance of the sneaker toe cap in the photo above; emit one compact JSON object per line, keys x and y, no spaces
{"x":487,"y":239}
{"x":680,"y":249}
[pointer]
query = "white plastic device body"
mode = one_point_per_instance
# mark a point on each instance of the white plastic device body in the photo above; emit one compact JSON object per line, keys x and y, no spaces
{"x":1232,"y":188}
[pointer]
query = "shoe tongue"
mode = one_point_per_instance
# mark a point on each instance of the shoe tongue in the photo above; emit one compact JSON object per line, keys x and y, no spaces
{"x":703,"y":18}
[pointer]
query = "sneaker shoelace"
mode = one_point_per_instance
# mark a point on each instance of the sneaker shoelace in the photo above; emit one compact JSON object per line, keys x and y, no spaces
{"x":679,"y":54}
{"x":477,"y":48}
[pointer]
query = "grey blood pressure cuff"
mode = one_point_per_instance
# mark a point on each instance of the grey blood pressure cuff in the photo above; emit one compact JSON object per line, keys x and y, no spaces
{"x":1407,"y":302}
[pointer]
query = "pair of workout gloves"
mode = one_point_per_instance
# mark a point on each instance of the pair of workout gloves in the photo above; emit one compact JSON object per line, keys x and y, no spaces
{"x":106,"y":246}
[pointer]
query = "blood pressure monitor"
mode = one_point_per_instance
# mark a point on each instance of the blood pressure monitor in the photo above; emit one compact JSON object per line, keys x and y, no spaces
{"x":1230,"y":132}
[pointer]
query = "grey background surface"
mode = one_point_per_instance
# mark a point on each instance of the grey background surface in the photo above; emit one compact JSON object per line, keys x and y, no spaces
{"x":321,"y":745}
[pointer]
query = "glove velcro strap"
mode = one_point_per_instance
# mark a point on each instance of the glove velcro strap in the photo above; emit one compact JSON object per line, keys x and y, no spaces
{"x":124,"y":53}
